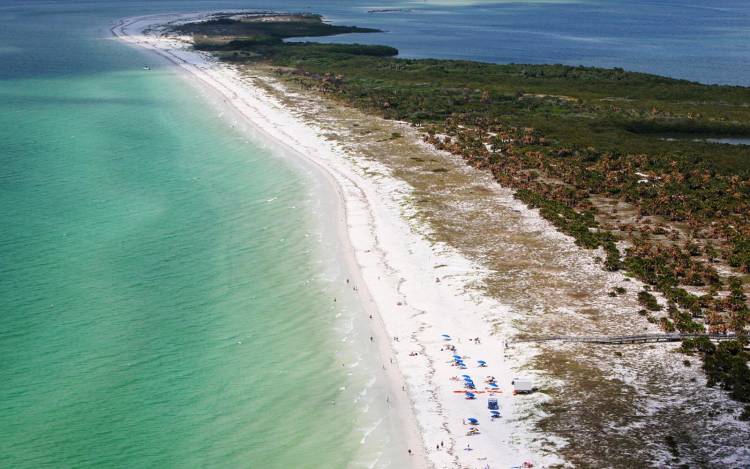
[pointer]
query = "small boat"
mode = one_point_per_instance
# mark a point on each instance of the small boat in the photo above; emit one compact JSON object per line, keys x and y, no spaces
{"x":146,"y":67}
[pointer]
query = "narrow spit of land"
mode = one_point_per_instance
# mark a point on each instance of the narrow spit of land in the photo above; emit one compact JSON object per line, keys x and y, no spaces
{"x":610,"y":159}
{"x":586,"y":146}
{"x":594,"y":399}
{"x":399,"y":287}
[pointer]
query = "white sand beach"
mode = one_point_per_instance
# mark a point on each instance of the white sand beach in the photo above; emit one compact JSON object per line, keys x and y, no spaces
{"x":414,"y":291}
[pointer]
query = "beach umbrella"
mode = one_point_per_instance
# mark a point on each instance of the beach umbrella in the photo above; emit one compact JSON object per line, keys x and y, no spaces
{"x":470,"y":395}
{"x":446,"y":337}
{"x":457,"y":357}
{"x":493,"y":385}
{"x":473,"y":421}
{"x":482,"y":362}
{"x":466,"y":376}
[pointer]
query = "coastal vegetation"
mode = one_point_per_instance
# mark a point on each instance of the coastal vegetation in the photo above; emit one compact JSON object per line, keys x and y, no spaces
{"x":617,"y":160}
{"x":268,"y":26}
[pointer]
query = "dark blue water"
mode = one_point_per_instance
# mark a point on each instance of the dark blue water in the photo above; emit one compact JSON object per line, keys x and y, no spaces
{"x":698,"y":40}
{"x":706,"y":41}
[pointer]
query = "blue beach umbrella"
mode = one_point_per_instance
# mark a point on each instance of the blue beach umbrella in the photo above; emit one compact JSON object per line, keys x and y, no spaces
{"x":473,"y":421}
{"x":492,"y":385}
{"x":466,"y":376}
{"x":470,"y":395}
{"x":457,"y":357}
{"x":481,"y":362}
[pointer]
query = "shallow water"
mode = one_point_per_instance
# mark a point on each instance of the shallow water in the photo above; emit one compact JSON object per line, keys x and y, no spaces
{"x":730,"y":141}
{"x":722,"y":140}
{"x":166,"y":286}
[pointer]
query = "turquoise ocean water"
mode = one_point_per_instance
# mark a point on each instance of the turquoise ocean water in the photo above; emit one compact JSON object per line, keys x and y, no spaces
{"x":166,"y":284}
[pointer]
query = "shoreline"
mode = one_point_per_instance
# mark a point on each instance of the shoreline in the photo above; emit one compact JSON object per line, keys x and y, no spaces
{"x":394,"y":271}
{"x":394,"y":378}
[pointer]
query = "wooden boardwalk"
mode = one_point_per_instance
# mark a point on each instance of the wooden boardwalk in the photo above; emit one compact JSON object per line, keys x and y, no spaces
{"x":623,"y":339}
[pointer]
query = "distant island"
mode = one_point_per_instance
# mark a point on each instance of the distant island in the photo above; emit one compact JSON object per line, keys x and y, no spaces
{"x":388,"y":10}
